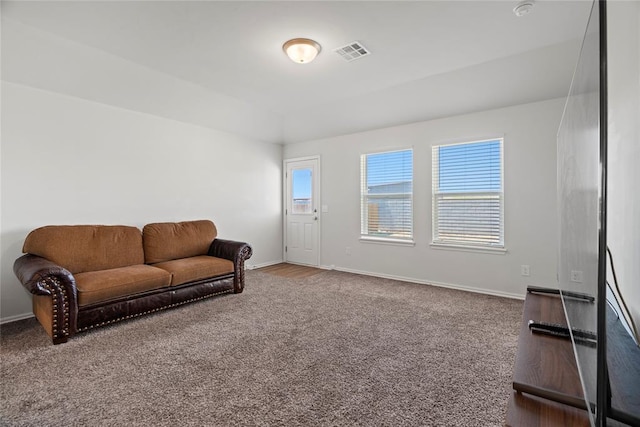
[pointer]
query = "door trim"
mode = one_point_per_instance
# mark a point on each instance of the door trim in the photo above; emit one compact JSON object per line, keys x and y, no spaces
{"x":317,"y":190}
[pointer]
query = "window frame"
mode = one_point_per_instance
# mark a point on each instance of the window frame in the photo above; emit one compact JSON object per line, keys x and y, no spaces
{"x":463,"y":244}
{"x":365,"y":197}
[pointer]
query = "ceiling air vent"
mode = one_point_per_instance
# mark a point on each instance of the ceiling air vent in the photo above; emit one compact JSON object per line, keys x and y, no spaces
{"x":353,"y":50}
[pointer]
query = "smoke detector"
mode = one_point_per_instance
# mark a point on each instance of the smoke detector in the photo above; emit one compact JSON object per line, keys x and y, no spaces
{"x":523,"y":8}
{"x":352,"y":51}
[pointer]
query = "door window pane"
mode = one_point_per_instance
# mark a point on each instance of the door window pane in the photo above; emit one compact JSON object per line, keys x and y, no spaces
{"x":302,"y":189}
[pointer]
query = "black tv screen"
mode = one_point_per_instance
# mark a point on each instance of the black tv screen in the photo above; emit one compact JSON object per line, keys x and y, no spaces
{"x":609,"y":365}
{"x":579,"y":198}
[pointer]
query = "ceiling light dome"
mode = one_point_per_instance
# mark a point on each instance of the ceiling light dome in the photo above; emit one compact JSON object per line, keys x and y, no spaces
{"x":301,"y":51}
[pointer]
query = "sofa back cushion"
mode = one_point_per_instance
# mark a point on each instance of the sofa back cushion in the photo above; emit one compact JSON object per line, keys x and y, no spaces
{"x":81,"y":248}
{"x":164,"y":241}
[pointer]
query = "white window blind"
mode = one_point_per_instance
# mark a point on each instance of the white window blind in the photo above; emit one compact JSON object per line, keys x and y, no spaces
{"x":468,"y":194}
{"x":387,"y":195}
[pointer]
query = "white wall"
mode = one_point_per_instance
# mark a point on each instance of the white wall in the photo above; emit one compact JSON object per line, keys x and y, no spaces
{"x":530,"y":200}
{"x":43,"y":60}
{"x":67,"y":160}
{"x":623,"y":194}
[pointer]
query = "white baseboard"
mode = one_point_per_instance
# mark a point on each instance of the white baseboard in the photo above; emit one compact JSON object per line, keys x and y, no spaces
{"x":431,"y":283}
{"x":15,"y":318}
{"x":264,"y":264}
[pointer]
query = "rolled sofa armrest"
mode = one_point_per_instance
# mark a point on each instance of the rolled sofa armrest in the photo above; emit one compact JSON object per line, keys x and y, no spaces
{"x":44,"y":278}
{"x":236,"y":252}
{"x":32,"y":271}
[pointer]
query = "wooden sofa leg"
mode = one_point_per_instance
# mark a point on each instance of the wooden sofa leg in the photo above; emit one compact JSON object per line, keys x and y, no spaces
{"x":60,"y":340}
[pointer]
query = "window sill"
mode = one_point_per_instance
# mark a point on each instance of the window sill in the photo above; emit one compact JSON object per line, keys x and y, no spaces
{"x":468,"y":248}
{"x":386,"y":241}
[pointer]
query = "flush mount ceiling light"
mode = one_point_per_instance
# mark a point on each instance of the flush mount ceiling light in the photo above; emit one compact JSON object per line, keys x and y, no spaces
{"x":523,"y":8}
{"x":301,"y":51}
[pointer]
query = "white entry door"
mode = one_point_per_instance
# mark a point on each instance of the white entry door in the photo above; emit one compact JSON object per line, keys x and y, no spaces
{"x":301,"y":211}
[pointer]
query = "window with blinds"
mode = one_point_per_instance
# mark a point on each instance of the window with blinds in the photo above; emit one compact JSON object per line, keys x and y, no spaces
{"x":387,"y":195}
{"x":468,"y":194}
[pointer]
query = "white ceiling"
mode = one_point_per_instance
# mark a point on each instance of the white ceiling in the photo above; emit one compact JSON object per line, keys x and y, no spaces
{"x":422,"y":51}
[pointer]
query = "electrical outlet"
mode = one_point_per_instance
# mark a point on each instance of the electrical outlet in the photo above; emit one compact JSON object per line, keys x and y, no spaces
{"x":347,"y":250}
{"x":525,"y":270}
{"x":576,"y":276}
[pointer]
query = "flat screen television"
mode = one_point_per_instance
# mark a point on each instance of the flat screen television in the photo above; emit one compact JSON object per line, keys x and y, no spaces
{"x":603,"y":333}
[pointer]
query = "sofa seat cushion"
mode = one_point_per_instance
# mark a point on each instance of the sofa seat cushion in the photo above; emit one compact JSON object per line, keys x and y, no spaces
{"x":187,"y":270}
{"x":104,"y":285}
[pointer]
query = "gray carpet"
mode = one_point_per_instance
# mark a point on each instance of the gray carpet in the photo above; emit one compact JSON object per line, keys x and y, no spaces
{"x":330,"y":350}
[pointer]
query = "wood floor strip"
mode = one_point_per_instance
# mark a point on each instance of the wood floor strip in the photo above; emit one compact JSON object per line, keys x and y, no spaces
{"x":291,"y":271}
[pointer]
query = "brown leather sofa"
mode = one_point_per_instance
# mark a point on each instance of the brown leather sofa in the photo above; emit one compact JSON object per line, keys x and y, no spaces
{"x":84,"y":276}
